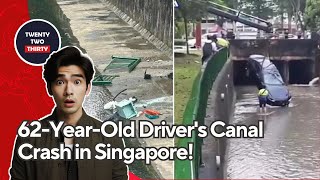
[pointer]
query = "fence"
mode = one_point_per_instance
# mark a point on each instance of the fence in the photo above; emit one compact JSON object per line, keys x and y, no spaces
{"x":196,"y":111}
{"x":154,"y":15}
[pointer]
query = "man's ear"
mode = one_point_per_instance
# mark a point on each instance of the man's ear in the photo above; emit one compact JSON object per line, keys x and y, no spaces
{"x":49,"y":89}
{"x":88,"y":89}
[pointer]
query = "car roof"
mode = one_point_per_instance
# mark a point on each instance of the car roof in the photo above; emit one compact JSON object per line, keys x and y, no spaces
{"x":262,"y":60}
{"x":256,"y":56}
{"x":265,"y":63}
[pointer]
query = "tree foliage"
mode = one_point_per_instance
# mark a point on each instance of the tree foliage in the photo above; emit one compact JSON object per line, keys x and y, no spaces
{"x":190,"y":10}
{"x":293,"y":10}
{"x":187,"y":11}
{"x":231,"y":3}
{"x":263,"y":9}
{"x":312,"y":14}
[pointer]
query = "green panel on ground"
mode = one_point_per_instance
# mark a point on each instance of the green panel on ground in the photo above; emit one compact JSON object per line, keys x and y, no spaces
{"x":123,"y":62}
{"x":103,"y":80}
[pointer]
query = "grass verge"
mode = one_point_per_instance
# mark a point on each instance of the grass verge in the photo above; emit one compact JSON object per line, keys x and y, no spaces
{"x":185,"y":71}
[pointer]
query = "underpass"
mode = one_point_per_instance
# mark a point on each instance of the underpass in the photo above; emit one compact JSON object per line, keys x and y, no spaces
{"x":294,"y":58}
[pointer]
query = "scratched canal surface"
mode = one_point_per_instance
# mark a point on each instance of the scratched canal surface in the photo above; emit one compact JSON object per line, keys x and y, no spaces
{"x":291,"y":144}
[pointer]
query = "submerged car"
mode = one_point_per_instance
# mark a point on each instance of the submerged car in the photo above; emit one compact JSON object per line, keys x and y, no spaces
{"x":267,"y":76}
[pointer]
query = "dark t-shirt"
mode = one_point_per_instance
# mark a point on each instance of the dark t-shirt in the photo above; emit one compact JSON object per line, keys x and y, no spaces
{"x":206,"y":51}
{"x":68,"y":170}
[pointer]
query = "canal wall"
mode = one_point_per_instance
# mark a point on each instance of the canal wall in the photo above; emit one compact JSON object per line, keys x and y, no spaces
{"x":49,"y":10}
{"x":317,"y":63}
{"x":152,"y":18}
{"x":203,"y":106}
{"x":223,"y":98}
{"x":220,"y":107}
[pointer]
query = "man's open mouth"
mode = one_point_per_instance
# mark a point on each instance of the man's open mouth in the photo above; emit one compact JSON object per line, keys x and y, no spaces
{"x":69,"y":102}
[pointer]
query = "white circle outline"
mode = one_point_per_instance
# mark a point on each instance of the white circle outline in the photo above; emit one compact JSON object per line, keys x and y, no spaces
{"x":15,"y":40}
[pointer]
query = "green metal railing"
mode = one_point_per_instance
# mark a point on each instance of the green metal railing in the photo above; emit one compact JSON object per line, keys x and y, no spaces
{"x":123,"y":62}
{"x":103,"y":80}
{"x":196,"y":111}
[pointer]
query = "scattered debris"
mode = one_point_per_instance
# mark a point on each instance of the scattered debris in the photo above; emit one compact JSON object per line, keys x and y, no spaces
{"x":151,"y":116}
{"x":151,"y":102}
{"x":104,"y":80}
{"x":139,"y":113}
{"x":147,"y":76}
{"x":170,"y":75}
{"x":123,"y":62}
{"x":198,"y":62}
{"x":124,"y":108}
{"x":151,"y":112}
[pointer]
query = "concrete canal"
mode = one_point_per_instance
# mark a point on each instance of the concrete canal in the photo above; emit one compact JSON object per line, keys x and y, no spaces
{"x":290,"y":147}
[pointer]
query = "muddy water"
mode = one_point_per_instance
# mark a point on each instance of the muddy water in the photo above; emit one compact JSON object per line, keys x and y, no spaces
{"x":291,"y":144}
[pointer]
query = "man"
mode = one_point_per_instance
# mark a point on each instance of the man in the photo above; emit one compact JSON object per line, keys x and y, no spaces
{"x":230,"y":35}
{"x":299,"y":36}
{"x":286,"y":34}
{"x":208,"y":48}
{"x":262,"y":96}
{"x":220,"y":42}
{"x":68,"y":74}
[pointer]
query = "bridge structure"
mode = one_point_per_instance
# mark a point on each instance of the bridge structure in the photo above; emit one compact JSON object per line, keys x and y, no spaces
{"x":294,"y":58}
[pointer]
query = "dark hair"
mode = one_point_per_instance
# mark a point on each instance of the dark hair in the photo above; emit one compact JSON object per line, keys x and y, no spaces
{"x":214,"y":37}
{"x":66,"y":57}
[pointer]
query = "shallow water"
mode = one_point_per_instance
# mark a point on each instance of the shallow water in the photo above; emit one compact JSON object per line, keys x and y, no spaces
{"x":290,"y":147}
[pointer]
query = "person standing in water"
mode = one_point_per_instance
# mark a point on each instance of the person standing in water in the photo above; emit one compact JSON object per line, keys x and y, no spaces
{"x":262,"y":96}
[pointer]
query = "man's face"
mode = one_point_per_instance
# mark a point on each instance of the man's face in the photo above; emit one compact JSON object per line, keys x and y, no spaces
{"x":69,"y":89}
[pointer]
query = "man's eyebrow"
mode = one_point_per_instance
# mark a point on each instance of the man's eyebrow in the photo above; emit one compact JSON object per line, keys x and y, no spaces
{"x":77,"y":75}
{"x":61,"y":75}
{"x":73,"y":75}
